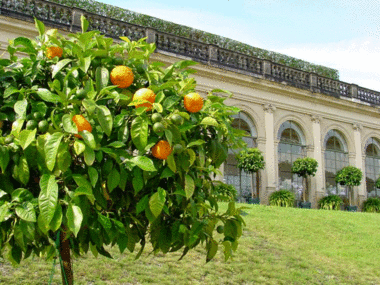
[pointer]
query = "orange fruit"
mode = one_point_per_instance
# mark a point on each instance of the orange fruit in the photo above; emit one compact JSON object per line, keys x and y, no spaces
{"x":122,"y":76}
{"x":161,"y":150}
{"x":144,"y":94}
{"x":52,"y":52}
{"x":193,"y":102}
{"x":82,"y":124}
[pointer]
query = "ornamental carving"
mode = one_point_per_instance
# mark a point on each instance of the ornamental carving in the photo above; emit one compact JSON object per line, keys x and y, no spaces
{"x":269,"y":108}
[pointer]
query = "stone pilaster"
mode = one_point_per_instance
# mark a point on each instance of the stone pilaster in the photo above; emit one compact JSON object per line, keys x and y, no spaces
{"x":359,"y":161}
{"x":270,"y":164}
{"x":316,"y":190}
{"x":150,"y":35}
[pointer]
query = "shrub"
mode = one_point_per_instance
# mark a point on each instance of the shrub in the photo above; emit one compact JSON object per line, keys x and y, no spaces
{"x":250,"y":160}
{"x":372,"y":205}
{"x":282,"y":198}
{"x":330,"y":202}
{"x":224,"y":192}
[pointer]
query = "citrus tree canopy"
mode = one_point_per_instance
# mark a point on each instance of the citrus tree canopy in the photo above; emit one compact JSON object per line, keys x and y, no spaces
{"x":81,"y":152}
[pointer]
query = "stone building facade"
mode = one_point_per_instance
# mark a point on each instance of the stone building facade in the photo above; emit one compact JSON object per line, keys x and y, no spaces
{"x":288,"y":113}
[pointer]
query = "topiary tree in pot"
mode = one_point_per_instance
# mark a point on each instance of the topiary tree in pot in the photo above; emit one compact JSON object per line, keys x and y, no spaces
{"x":100,"y":146}
{"x":350,"y":176}
{"x":251,"y":160}
{"x":305,"y":167}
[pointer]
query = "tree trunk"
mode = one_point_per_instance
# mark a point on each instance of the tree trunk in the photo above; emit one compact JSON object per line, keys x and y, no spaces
{"x":66,"y":266}
{"x":304,"y":180}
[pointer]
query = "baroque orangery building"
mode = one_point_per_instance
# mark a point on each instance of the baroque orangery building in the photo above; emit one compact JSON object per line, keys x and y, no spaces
{"x":287,"y":112}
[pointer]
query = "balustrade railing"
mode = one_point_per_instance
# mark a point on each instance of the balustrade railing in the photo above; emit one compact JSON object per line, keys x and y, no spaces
{"x":68,"y":18}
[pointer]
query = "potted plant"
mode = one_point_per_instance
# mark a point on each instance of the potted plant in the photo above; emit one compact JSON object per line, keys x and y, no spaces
{"x":305,"y":167}
{"x":251,"y":160}
{"x":350,"y":176}
{"x":282,"y":198}
{"x":330,"y":202}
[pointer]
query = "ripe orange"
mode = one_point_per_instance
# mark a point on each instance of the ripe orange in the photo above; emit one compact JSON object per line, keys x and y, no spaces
{"x":161,"y":150}
{"x":82,"y":124}
{"x":193,"y":102}
{"x":52,"y":52}
{"x":144,"y":94}
{"x":122,"y":76}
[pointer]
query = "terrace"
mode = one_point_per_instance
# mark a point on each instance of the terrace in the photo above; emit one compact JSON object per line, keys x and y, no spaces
{"x":68,"y":19}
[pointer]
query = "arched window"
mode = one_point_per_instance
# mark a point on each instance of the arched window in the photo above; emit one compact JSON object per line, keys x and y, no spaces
{"x":372,"y":166}
{"x":245,"y":183}
{"x":291,"y":146}
{"x":336,"y":157}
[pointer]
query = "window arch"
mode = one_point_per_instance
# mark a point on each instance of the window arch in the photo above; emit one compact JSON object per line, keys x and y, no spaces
{"x":291,"y":146}
{"x":245,"y":183}
{"x":336,"y":157}
{"x":372,"y":166}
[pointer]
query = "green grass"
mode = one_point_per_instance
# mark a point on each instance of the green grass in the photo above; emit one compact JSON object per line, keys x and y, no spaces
{"x":279,"y":246}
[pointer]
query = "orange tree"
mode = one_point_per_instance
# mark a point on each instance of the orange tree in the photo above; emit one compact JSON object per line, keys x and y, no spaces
{"x":84,"y":164}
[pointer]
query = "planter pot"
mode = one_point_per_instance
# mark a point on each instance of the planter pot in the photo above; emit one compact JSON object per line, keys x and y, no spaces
{"x":253,"y":200}
{"x":304,"y":205}
{"x":352,"y":208}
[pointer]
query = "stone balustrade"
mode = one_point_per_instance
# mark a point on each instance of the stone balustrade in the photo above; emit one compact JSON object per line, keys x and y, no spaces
{"x":68,"y":18}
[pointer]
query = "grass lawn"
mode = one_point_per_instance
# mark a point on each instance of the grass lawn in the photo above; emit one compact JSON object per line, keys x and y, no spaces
{"x":279,"y":246}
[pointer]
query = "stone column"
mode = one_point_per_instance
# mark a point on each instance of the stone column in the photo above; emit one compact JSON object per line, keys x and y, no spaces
{"x":317,"y":190}
{"x":75,"y":19}
{"x":359,"y":195}
{"x":150,"y":35}
{"x":212,"y":53}
{"x":261,"y":144}
{"x":270,"y":163}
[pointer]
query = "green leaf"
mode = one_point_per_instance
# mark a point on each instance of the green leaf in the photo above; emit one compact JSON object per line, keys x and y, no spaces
{"x":21,"y":170}
{"x":74,"y":218}
{"x":26,"y":43}
{"x":105,"y":222}
{"x":68,"y":124}
{"x":189,"y":186}
{"x":139,"y":132}
{"x":145,"y":163}
{"x":212,"y":248}
{"x":113,"y":179}
{"x":56,"y":222}
{"x":39,"y":26}
{"x":84,"y":63}
{"x":26,"y":137}
{"x":83,"y":182}
{"x":137,"y":180}
{"x":102,"y":77}
{"x":157,"y":202}
{"x":5,"y":214}
{"x":89,"y":156}
{"x":58,"y":67}
{"x":4,"y":158}
{"x":192,"y":155}
{"x":48,"y":96}
{"x":87,"y":191}
{"x":90,"y":106}
{"x":105,"y":119}
{"x":79,"y":147}
{"x":10,"y":91}
{"x":197,"y":142}
{"x":171,"y":163}
{"x":142,"y":204}
{"x":169,"y":136}
{"x":88,"y":139}
{"x":48,"y":198}
{"x":51,"y":149}
{"x":93,"y":175}
{"x":20,"y":108}
{"x":26,"y":212}
{"x":209,"y":121}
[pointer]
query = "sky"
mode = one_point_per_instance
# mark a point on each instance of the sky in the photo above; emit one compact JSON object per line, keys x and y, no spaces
{"x":341,"y":34}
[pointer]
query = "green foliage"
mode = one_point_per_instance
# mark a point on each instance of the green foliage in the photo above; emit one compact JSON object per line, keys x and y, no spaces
{"x":282,"y":198}
{"x":349,"y":175}
{"x":224,"y":192}
{"x":330,"y":202}
{"x":250,"y":160}
{"x":188,"y":32}
{"x":106,"y":188}
{"x":305,"y":166}
{"x":377,"y":183}
{"x":372,"y":205}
